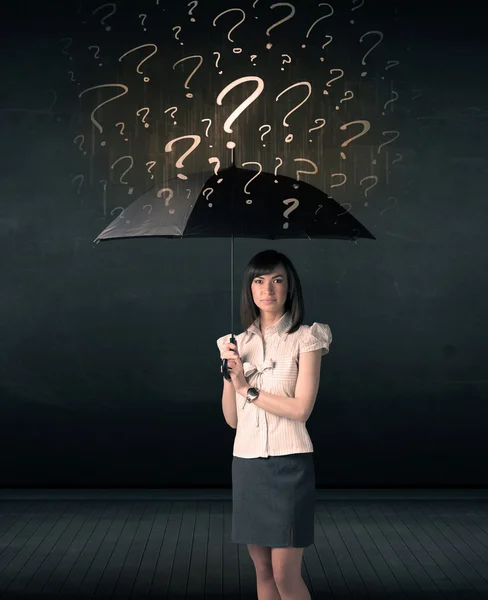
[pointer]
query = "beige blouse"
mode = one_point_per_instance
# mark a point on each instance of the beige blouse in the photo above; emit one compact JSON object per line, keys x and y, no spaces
{"x":271,"y":364}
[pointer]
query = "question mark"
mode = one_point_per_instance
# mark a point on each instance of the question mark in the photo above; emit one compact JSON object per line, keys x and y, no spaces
{"x":144,"y":17}
{"x":356,"y":7}
{"x":287,"y":212}
{"x":319,"y":127}
{"x":289,"y":137}
{"x":283,"y":62}
{"x":366,"y":127}
{"x":371,"y":49}
{"x":153,"y":164}
{"x":235,"y":50}
{"x":277,"y":167}
{"x":214,"y":159}
{"x":107,"y":27}
{"x":253,"y":57}
{"x":70,"y":41}
{"x":339,"y":175}
{"x":189,"y":193}
{"x":249,"y":201}
{"x":389,"y":207}
{"x":167,"y":200}
{"x":370,"y":187}
{"x":210,"y":192}
{"x":174,"y":109}
{"x":389,"y":101}
{"x":189,"y":95}
{"x":242,"y":107}
{"x":329,"y":83}
{"x":389,"y":141}
{"x":96,"y":55}
{"x":150,"y":207}
{"x":287,"y":18}
{"x":315,"y":23}
{"x":208,"y":127}
{"x":125,"y":172}
{"x":177,"y":33}
{"x":190,"y":12}
{"x":346,"y":98}
{"x":314,"y":172}
{"x":179,"y":163}
{"x":82,"y":179}
{"x":72,"y":76}
{"x":217,"y":61}
{"x":121,"y":214}
{"x":265,"y":133}
{"x":81,"y":143}
{"x":146,"y":79}
{"x":399,"y":159}
{"x":96,"y":87}
{"x":391,"y":63}
{"x":138,"y":114}
{"x":121,"y":129}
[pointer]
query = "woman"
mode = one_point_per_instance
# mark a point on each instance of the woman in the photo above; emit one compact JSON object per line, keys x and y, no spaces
{"x":275,"y":373}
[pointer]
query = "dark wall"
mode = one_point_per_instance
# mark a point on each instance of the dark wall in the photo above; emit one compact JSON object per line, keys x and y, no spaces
{"x":109,"y":367}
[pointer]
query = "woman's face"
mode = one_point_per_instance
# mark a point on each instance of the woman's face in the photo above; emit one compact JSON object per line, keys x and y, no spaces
{"x":270,"y":287}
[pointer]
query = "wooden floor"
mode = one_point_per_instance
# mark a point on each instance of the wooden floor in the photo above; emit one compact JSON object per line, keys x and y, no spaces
{"x":120,"y":548}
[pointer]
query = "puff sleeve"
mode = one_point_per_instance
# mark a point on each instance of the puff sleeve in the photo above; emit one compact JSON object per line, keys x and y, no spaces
{"x":223,"y":340}
{"x":316,"y":336}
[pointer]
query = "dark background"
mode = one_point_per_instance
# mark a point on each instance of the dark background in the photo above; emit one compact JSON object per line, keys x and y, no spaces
{"x":109,"y":367}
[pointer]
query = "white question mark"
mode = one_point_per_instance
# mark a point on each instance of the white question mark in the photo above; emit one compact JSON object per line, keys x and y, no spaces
{"x":253,"y":57}
{"x":391,"y":63}
{"x":371,"y":49}
{"x":82,"y":179}
{"x":331,"y":81}
{"x":323,"y":17}
{"x":389,"y":101}
{"x":287,"y":212}
{"x":97,"y":53}
{"x":153,"y":164}
{"x":289,"y":137}
{"x":72,"y":76}
{"x":208,"y":127}
{"x":179,"y":163}
{"x":285,"y":62}
{"x":126,"y":171}
{"x":389,"y":141}
{"x":122,"y":129}
{"x":366,"y":127}
{"x":146,"y":79}
{"x":107,"y":27}
{"x":252,"y":178}
{"x":277,"y":167}
{"x":217,"y":61}
{"x":319,"y":126}
{"x":198,"y":56}
{"x":314,"y":172}
{"x":339,"y":175}
{"x":287,"y":18}
{"x":174,"y":109}
{"x":70,"y":41}
{"x":144,"y":17}
{"x":370,"y":187}
{"x":212,"y":160}
{"x":167,"y":200}
{"x":235,"y":50}
{"x":190,"y":12}
{"x":207,"y":196}
{"x":96,"y":87}
{"x":399,"y":159}
{"x":189,"y":193}
{"x":389,"y":207}
{"x":121,"y":214}
{"x":178,"y":27}
{"x":139,"y":112}
{"x":150,"y":207}
{"x":356,"y":7}
{"x":242,"y":107}
{"x":265,"y":133}
{"x":81,"y":143}
{"x":346,"y":98}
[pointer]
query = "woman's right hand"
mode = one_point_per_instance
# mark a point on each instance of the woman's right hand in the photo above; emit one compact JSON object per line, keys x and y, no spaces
{"x":230,"y":351}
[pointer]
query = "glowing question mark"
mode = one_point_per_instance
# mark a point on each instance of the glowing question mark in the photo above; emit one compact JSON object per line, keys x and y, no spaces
{"x":287,"y":18}
{"x":391,"y":63}
{"x":121,"y":129}
{"x":389,"y":141}
{"x":82,"y":179}
{"x":189,"y":95}
{"x":331,"y":81}
{"x":265,"y":133}
{"x":277,"y":167}
{"x":284,"y":62}
{"x":346,"y":98}
{"x":97,"y":53}
{"x":144,"y":17}
{"x":355,"y":8}
{"x":174,"y":109}
{"x":212,"y":160}
{"x":139,"y":112}
{"x":289,"y":137}
{"x":366,"y":127}
{"x":121,"y":214}
{"x":389,"y":207}
{"x":253,"y":57}
{"x":96,"y":87}
{"x":150,"y":207}
{"x":153,"y":164}
{"x":370,"y":187}
{"x":208,"y":127}
{"x":81,"y":143}
{"x":371,"y":49}
{"x":235,"y":50}
{"x":390,"y":101}
{"x":190,"y":12}
{"x":318,"y":127}
{"x":339,"y":175}
{"x":178,"y":27}
{"x":323,"y":17}
{"x":287,"y":212}
{"x":107,"y":27}
{"x":126,"y":171}
{"x":179,"y":163}
{"x":249,"y":201}
{"x":189,"y":193}
{"x":72,"y":76}
{"x":242,"y":107}
{"x":315,"y":167}
{"x":70,"y":41}
{"x":167,"y":200}
{"x":146,"y":79}
{"x":399,"y":159}
{"x":207,"y":196}
{"x":217,"y":61}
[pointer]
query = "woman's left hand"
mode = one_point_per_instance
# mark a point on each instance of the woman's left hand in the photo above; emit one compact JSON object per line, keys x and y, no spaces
{"x":236,"y":372}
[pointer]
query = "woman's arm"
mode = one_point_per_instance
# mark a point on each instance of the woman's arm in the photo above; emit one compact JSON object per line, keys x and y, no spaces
{"x":229,"y":407}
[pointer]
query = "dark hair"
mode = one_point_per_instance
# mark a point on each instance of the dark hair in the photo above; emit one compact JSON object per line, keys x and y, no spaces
{"x":264,"y":263}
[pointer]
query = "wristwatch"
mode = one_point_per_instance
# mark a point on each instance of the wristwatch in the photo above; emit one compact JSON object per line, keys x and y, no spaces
{"x":251,"y":394}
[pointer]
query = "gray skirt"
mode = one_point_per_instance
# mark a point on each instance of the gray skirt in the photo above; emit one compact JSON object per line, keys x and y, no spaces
{"x":273,"y":500}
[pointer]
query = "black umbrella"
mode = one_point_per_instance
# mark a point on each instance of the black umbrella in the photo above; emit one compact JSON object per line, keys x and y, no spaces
{"x":235,"y":202}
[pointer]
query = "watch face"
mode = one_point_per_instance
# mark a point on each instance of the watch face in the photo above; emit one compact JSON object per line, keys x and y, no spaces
{"x":252,"y":393}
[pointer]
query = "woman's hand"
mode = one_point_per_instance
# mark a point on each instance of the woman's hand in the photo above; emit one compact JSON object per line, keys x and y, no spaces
{"x":234,"y":366}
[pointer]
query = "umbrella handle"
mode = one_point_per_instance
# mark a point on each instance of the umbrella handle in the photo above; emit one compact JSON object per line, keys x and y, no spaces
{"x":223,"y":368}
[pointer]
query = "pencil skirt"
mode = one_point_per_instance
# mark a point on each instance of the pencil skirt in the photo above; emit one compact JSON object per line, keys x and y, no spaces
{"x":273,"y":500}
